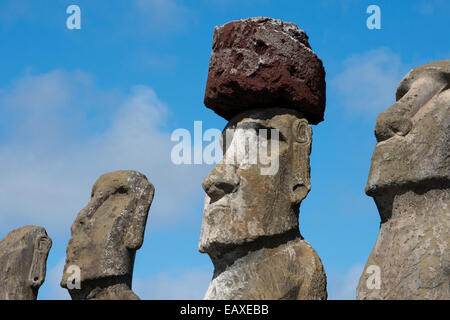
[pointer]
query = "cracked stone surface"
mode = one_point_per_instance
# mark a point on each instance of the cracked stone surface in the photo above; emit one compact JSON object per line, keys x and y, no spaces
{"x":263,"y":62}
{"x":290,"y":271}
{"x":409,"y":181}
{"x":250,"y":220}
{"x":106,"y":235}
{"x":23,"y":259}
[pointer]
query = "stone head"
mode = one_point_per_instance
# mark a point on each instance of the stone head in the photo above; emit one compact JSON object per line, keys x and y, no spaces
{"x":109,"y":230}
{"x":244,"y":200}
{"x":412,"y":135}
{"x":23,"y":258}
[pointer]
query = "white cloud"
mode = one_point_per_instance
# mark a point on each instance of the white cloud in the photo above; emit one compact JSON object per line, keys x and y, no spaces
{"x":185,"y":285}
{"x":342,"y":286}
{"x":57,"y":148}
{"x":45,"y":91}
{"x":369,"y":80}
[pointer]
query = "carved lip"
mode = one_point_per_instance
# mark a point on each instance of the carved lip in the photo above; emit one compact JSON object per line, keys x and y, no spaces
{"x":389,"y":140}
{"x":222,"y":202}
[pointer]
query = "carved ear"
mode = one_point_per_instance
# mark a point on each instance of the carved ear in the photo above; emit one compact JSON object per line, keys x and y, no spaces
{"x":135,"y":233}
{"x":301,"y":131}
{"x":38,"y":265}
{"x":300,"y":183}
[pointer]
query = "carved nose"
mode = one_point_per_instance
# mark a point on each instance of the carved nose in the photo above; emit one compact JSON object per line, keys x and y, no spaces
{"x":410,"y":98}
{"x":390,"y":124}
{"x":220,"y":182}
{"x":219,"y":189}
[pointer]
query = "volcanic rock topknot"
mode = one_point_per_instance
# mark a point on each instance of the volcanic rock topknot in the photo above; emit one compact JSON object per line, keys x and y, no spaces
{"x":263,"y":62}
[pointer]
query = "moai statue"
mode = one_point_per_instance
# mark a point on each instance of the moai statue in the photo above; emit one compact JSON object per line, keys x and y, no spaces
{"x":409,"y":180}
{"x":105,"y":237}
{"x":265,"y":79}
{"x":23,"y":259}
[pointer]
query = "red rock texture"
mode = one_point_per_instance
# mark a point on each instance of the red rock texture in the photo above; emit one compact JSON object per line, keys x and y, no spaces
{"x":263,"y":62}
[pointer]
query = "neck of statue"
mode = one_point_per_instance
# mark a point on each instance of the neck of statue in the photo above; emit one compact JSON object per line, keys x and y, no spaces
{"x":231,"y":254}
{"x":108,"y":288}
{"x":411,"y":203}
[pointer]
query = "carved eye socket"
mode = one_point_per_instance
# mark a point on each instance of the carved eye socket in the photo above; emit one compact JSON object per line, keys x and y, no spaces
{"x":121,"y":189}
{"x":44,"y":244}
{"x":301,"y":131}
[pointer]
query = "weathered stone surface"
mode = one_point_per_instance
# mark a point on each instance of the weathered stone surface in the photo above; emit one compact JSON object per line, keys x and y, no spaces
{"x":250,"y":219}
{"x":409,"y":181}
{"x":290,"y":271}
{"x":263,"y":62}
{"x":241,"y":203}
{"x":106,"y":235}
{"x":23,"y":258}
{"x":412,"y":248}
{"x":413,"y":135}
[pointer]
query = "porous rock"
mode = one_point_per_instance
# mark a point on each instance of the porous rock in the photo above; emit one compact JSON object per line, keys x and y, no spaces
{"x":290,"y":271}
{"x":263,"y":62}
{"x":23,"y":259}
{"x":250,"y":224}
{"x":410,"y":183}
{"x":106,"y":235}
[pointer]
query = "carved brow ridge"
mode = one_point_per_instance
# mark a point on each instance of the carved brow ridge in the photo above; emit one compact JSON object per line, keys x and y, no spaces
{"x":258,"y":126}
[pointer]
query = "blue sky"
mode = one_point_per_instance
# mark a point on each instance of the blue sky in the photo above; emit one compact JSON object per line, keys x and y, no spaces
{"x":78,"y":103}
